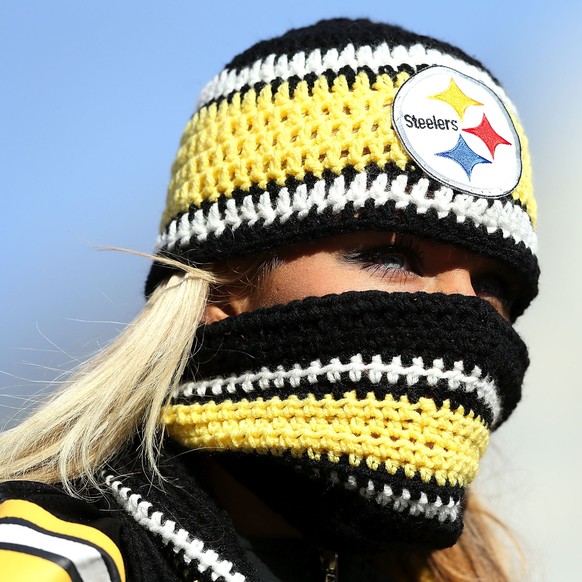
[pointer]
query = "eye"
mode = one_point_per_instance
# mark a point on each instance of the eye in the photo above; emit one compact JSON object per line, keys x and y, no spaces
{"x":497,"y":290}
{"x":393,"y":259}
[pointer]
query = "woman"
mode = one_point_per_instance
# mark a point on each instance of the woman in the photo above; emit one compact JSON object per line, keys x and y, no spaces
{"x":328,"y":335}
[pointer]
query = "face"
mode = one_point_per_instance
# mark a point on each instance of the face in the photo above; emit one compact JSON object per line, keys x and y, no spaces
{"x":363,"y":261}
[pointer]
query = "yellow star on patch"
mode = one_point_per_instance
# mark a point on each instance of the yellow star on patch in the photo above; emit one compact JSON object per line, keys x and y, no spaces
{"x":454,"y":97}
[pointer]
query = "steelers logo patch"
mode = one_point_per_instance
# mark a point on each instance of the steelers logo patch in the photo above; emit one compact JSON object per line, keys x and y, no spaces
{"x":458,"y":131}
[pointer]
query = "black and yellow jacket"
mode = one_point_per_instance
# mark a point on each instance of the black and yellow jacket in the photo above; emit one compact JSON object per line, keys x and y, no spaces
{"x":133,"y":531}
{"x":139,"y":530}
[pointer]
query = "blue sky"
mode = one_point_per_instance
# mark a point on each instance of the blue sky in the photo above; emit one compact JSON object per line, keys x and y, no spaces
{"x":93,"y":100}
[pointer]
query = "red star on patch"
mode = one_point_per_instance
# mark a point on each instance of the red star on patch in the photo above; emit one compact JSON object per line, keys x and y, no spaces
{"x":490,"y":137}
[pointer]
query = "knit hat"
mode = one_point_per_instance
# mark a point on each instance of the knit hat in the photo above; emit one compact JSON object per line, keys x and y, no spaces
{"x":351,"y":125}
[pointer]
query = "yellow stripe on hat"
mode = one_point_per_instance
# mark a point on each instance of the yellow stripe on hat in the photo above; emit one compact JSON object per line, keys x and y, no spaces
{"x":256,"y":138}
{"x":524,"y":190}
{"x":266,"y":137}
{"x":421,"y":438}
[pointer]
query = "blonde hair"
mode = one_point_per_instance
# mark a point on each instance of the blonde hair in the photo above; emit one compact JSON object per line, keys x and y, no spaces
{"x":119,"y":393}
{"x":101,"y":407}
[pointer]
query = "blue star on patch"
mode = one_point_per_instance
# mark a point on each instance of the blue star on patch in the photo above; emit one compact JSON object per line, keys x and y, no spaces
{"x":464,"y":156}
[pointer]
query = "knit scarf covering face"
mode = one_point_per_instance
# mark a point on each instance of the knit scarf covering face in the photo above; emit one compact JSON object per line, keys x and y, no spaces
{"x":359,"y":417}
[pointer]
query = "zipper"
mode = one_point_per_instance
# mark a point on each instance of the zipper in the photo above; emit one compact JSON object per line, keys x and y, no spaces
{"x":329,"y":564}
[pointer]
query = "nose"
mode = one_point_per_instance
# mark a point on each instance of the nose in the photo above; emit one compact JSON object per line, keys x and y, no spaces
{"x":455,"y":280}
